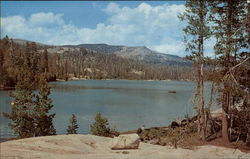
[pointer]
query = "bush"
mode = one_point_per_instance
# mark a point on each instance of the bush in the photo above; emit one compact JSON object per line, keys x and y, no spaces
{"x":183,"y":136}
{"x":101,"y":126}
{"x":72,"y":129}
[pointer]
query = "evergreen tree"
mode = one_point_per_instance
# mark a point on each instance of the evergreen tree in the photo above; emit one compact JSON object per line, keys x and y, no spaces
{"x":7,"y":63}
{"x":31,"y":59}
{"x":229,"y":19}
{"x":44,"y":67}
{"x":196,"y":32}
{"x":72,"y":129}
{"x":101,"y":126}
{"x":44,"y":120}
{"x":3,"y":72}
{"x":22,"y":114}
{"x":29,"y":112}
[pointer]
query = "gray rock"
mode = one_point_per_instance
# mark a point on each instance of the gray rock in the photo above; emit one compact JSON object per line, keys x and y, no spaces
{"x":129,"y":141}
{"x":154,"y":141}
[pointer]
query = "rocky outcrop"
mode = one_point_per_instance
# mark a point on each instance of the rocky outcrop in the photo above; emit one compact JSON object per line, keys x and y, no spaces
{"x":129,"y":141}
{"x":96,"y":147}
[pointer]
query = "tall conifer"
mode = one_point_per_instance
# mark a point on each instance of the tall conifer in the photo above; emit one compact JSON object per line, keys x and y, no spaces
{"x":196,"y":32}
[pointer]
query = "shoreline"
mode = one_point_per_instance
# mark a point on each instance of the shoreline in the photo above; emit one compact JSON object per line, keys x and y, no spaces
{"x":107,"y":79}
{"x":7,"y":88}
{"x":215,"y":114}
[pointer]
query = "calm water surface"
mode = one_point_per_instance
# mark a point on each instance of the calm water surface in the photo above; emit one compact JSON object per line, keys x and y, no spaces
{"x":126,"y":104}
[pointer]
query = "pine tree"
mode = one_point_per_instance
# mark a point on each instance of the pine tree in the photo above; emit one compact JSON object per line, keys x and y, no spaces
{"x":196,"y":32}
{"x":7,"y":63}
{"x":31,"y":58}
{"x":229,"y":19}
{"x":3,"y":73}
{"x":44,"y":67}
{"x":101,"y":126}
{"x":29,"y":112}
{"x":44,"y":120}
{"x":22,"y":114}
{"x":72,"y":129}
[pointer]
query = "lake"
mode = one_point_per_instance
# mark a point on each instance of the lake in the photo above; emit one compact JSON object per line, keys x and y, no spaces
{"x":127,"y":104}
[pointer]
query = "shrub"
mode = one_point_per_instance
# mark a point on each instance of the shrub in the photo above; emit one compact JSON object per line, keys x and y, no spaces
{"x":72,"y":129}
{"x":101,"y":126}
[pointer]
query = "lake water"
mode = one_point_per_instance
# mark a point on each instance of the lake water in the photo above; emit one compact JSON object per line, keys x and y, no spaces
{"x":127,"y":104}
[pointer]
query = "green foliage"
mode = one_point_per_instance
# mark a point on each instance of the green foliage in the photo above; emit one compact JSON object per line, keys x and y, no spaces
{"x":177,"y":137}
{"x":152,"y":134}
{"x":21,"y":114}
{"x":44,"y":66}
{"x":101,"y":126}
{"x":180,"y":136}
{"x":22,"y":108}
{"x":196,"y":32}
{"x":79,"y":63}
{"x":230,"y":29}
{"x":72,"y":129}
{"x":29,"y":110}
{"x":186,"y":116}
{"x":44,"y":121}
{"x":8,"y":62}
{"x":2,"y":69}
{"x":197,"y":29}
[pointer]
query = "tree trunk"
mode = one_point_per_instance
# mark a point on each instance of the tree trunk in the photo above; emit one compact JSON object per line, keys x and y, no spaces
{"x":225,"y":106}
{"x":201,"y":78}
{"x":203,"y":119}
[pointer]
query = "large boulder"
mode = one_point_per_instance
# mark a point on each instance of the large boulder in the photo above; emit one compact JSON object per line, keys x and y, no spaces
{"x":129,"y":141}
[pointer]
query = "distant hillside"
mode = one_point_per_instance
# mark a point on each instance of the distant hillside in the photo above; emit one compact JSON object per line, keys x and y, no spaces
{"x":23,"y":42}
{"x":140,"y":53}
{"x":102,"y":48}
{"x":137,"y":53}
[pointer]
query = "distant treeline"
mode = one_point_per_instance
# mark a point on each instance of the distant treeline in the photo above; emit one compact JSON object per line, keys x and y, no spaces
{"x":81,"y":63}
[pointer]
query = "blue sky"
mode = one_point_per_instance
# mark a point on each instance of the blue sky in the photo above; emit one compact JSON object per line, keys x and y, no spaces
{"x":137,"y":23}
{"x":80,"y":13}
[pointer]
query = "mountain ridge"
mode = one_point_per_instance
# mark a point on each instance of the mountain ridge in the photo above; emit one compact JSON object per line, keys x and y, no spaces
{"x":141,"y":53}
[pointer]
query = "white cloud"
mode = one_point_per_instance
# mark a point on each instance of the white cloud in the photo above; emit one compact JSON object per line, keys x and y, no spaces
{"x":172,"y":48}
{"x":11,"y":24}
{"x":157,"y":27}
{"x":43,"y":19}
{"x":112,"y":8}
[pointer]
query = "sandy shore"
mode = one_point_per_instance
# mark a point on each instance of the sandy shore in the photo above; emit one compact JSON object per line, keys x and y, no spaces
{"x":94,"y":147}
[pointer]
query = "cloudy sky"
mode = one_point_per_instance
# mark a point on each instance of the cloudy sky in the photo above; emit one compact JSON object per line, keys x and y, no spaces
{"x":151,"y":24}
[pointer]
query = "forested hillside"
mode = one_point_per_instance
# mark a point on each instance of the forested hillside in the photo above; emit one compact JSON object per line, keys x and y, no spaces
{"x":139,"y":53}
{"x":63,"y":62}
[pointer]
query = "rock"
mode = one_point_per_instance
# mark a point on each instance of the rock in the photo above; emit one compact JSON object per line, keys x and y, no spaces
{"x":139,"y":131}
{"x":154,"y":141}
{"x":184,"y":122}
{"x":217,"y":113}
{"x":114,"y":133}
{"x":174,"y":124}
{"x":171,"y":91}
{"x":95,"y":147}
{"x":129,"y":141}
